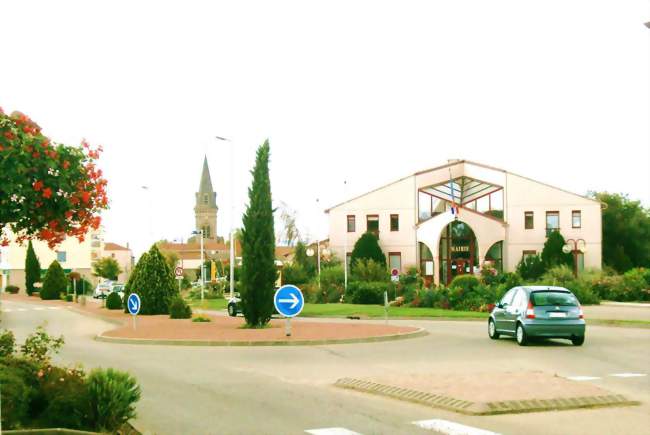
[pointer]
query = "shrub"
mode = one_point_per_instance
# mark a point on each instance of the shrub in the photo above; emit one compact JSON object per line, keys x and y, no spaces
{"x":114,"y":301}
{"x":39,"y":346}
{"x":152,"y":280}
{"x":636,"y":287}
{"x":583,"y":291}
{"x":69,"y":297}
{"x":531,"y":267}
{"x":179,"y":309}
{"x":489,"y":275}
{"x":294,"y":274}
{"x":511,"y":279}
{"x":466,"y":282}
{"x":369,"y":270}
{"x":201,"y":319}
{"x":62,"y":399}
{"x":411,"y":276}
{"x":7,"y":343}
{"x":558,"y":275}
{"x":367,"y":247}
{"x":12,"y":289}
{"x":16,"y":395}
{"x":609,"y":287}
{"x":54,"y":283}
{"x":332,"y":283}
{"x":368,"y":292}
{"x":112,"y":396}
{"x":552,"y":254}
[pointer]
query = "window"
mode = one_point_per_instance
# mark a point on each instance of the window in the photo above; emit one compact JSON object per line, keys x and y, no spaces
{"x":352,"y":223}
{"x":576,"y":219}
{"x":206,"y":232}
{"x":552,"y":222}
{"x":205,"y":198}
{"x":395,"y":260}
{"x":529,"y":220}
{"x":528,"y":253}
{"x":394,"y":222}
{"x":372,"y":223}
{"x":507,"y":298}
{"x":61,"y":256}
{"x":520,"y":300}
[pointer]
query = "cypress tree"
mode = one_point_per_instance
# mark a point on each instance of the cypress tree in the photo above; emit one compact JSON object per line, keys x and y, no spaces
{"x":367,"y":247}
{"x":153,"y":281}
{"x":54,"y":283}
{"x":258,"y":274}
{"x":552,"y":254}
{"x":32,"y":269}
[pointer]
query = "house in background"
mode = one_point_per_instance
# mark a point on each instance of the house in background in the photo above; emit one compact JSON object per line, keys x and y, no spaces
{"x":123,"y":256}
{"x":454,"y":219}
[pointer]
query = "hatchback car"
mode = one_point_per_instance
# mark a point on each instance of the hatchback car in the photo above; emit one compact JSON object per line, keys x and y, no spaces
{"x":102,"y":290}
{"x":538,"y":311}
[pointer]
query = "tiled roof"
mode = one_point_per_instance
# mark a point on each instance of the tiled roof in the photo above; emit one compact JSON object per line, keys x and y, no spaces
{"x":109,"y":246}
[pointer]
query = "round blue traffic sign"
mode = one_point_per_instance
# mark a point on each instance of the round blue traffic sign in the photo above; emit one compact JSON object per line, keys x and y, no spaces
{"x":288,"y":300}
{"x":133,"y":304}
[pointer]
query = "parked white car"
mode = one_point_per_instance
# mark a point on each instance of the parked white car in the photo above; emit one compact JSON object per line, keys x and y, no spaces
{"x":118,"y":288}
{"x":102,"y":290}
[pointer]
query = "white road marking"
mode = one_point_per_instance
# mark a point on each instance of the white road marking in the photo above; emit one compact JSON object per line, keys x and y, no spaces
{"x":21,"y":309}
{"x":332,"y":431}
{"x":583,"y":378}
{"x":628,"y":375}
{"x":54,"y":308}
{"x":38,"y":309}
{"x":451,"y":428}
{"x":7,"y":310}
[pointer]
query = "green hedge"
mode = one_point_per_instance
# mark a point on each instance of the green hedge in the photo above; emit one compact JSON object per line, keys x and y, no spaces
{"x":369,"y":293}
{"x":114,"y":301}
{"x":12,"y":289}
{"x":179,"y":309}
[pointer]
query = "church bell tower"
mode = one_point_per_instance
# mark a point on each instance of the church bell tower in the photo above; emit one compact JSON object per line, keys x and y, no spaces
{"x":205,"y":210}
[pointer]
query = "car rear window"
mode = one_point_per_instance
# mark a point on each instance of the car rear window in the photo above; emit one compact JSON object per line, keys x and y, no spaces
{"x":540,"y":299}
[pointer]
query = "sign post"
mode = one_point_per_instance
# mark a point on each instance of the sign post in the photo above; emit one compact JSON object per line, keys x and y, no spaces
{"x":178,"y":271}
{"x":289,"y":302}
{"x":133,"y":305}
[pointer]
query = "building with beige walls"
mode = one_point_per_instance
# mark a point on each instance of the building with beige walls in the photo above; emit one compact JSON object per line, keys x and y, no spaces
{"x":124,"y":257}
{"x":74,"y":256}
{"x":456,"y":218}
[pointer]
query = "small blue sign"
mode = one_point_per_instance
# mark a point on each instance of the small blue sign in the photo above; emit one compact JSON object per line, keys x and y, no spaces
{"x":288,"y":301}
{"x":133,"y":304}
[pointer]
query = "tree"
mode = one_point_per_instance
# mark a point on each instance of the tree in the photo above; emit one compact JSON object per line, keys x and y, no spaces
{"x":153,"y":281}
{"x":54,"y":283}
{"x":307,"y":263}
{"x":258,"y":273}
{"x":552,"y":254}
{"x":531,"y":267}
{"x":32,"y":269}
{"x":367,"y":247}
{"x":289,"y":233}
{"x":171,"y":258}
{"x":48,"y":190}
{"x":107,"y":267}
{"x":626,"y":232}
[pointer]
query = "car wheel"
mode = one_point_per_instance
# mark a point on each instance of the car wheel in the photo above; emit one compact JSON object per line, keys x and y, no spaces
{"x":577,"y":341}
{"x":492,"y":330}
{"x":232,"y":310}
{"x":520,"y":335}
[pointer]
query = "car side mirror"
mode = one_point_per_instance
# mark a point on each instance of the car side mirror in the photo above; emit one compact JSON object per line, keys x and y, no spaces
{"x":499,"y":305}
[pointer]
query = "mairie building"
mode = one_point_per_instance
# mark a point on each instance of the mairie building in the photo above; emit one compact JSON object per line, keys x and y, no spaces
{"x":456,"y":218}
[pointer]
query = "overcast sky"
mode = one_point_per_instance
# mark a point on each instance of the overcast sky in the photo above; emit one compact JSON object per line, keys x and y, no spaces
{"x":364,"y":91}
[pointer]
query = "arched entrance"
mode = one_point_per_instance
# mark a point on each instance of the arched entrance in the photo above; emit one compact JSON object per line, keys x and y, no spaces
{"x":458,"y":251}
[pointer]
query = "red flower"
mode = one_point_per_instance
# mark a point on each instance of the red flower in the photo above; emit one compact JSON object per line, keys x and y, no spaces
{"x":1,"y":148}
{"x":9,"y":135}
{"x":45,"y":143}
{"x":4,"y":242}
{"x":47,"y":193}
{"x":68,"y":214}
{"x":38,"y":185}
{"x":85,"y":197}
{"x":36,"y":155}
{"x":66,"y":164}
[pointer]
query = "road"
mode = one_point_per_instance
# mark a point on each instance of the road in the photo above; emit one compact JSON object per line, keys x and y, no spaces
{"x":288,"y":390}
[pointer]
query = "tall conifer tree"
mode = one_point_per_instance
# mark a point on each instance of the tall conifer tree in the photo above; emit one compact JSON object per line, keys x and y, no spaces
{"x":258,"y":273}
{"x":32,"y":269}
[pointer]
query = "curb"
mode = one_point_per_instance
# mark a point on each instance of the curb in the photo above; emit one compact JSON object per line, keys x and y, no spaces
{"x":420,"y":332}
{"x":483,"y":408}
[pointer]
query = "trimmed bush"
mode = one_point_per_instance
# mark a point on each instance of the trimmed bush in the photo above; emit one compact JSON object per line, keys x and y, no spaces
{"x":466,"y":282}
{"x":12,"y":289}
{"x":332,"y":284}
{"x":531,"y":267}
{"x":367,"y":247}
{"x":54,"y":283}
{"x":368,"y":293}
{"x":201,"y":319}
{"x":369,"y":270}
{"x":294,"y":274}
{"x":114,"y":301}
{"x":69,"y":297}
{"x":112,"y":396}
{"x":7,"y":343}
{"x":153,"y":281}
{"x":552,"y":254}
{"x":179,"y":309}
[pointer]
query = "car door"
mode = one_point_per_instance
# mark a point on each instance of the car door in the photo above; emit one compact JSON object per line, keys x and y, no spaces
{"x":514,"y":310}
{"x":500,"y":310}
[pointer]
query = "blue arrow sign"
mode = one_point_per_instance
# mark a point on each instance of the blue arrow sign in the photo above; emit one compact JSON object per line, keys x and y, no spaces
{"x":133,"y":304}
{"x":288,"y":301}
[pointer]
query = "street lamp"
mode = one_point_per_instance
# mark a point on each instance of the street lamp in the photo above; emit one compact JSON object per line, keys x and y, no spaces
{"x":232,"y":214}
{"x":578,"y":247}
{"x":202,"y":263}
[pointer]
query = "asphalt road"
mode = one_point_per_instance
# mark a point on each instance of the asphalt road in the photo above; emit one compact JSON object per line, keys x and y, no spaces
{"x":288,"y":390}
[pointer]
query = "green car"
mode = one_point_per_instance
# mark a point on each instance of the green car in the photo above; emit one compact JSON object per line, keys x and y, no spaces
{"x":538,"y":311}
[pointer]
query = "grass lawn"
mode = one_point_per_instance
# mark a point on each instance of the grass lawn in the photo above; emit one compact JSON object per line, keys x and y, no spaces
{"x":345,"y":310}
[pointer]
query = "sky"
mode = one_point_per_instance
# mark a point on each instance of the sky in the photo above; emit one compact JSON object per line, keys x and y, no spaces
{"x":364,"y":92}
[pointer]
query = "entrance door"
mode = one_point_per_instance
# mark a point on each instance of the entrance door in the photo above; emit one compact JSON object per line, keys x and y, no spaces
{"x":457,"y":251}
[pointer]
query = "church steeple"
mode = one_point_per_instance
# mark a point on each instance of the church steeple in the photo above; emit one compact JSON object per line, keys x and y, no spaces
{"x":205,"y":210}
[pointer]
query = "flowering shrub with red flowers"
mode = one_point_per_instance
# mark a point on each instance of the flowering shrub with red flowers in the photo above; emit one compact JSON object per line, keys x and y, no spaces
{"x":48,"y":190}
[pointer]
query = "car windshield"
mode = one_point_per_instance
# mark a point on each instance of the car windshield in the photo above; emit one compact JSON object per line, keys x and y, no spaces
{"x":540,"y":299}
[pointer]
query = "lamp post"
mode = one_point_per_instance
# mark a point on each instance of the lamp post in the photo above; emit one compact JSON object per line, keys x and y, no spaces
{"x":202,"y":263}
{"x":345,"y":244}
{"x":575,"y":250}
{"x":232,"y":214}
